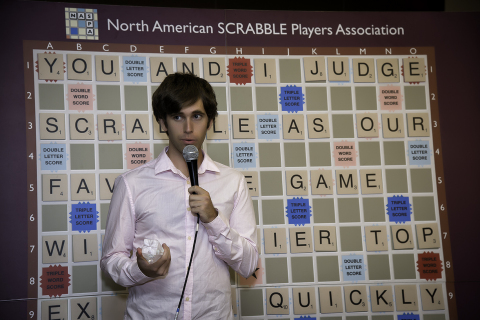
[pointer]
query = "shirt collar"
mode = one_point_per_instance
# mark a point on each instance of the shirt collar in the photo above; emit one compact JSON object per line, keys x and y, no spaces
{"x":165,"y":164}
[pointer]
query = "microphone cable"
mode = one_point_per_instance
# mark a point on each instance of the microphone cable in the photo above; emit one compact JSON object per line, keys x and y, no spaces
{"x":188,"y":270}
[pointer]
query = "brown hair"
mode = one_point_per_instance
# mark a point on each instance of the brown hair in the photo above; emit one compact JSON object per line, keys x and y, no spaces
{"x":180,"y":90}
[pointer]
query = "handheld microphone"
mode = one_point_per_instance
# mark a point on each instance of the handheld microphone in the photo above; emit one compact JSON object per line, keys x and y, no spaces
{"x":190,"y":154}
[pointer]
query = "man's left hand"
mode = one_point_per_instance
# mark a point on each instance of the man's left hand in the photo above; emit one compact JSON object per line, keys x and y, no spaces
{"x":201,"y":204}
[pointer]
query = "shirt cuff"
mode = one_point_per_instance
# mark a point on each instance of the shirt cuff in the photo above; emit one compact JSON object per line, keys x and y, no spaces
{"x":216,"y":227}
{"x":138,"y":276}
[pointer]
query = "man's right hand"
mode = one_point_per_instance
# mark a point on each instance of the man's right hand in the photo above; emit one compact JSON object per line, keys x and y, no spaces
{"x":156,"y":269}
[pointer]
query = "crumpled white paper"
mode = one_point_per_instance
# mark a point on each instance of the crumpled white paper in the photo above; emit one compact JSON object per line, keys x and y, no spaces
{"x":152,"y":250}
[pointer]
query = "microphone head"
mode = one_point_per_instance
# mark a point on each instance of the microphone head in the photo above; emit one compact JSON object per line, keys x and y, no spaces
{"x":190,"y":152}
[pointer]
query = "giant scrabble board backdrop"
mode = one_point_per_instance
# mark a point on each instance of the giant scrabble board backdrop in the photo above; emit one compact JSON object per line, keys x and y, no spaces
{"x":340,"y":146}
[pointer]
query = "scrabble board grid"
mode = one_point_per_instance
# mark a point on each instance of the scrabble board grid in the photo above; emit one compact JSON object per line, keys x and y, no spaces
{"x":31,"y":54}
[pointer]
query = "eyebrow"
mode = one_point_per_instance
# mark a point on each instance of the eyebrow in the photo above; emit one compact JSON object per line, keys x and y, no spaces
{"x":180,"y":113}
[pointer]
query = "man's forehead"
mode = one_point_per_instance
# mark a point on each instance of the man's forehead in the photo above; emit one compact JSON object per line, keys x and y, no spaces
{"x":195,"y":107}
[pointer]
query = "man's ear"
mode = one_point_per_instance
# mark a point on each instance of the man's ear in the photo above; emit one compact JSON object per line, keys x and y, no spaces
{"x":210,"y":123}
{"x":162,"y":125}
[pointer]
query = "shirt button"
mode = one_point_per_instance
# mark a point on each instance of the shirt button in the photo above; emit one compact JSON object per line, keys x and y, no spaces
{"x":189,"y":238}
{"x":187,"y":299}
{"x":188,"y":209}
{"x":188,"y":181}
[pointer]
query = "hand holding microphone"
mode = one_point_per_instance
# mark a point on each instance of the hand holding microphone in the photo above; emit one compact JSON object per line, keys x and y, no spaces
{"x":200,"y":204}
{"x":200,"y":201}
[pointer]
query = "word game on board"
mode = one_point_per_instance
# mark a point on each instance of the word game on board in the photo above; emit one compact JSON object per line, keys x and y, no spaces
{"x":340,"y":149}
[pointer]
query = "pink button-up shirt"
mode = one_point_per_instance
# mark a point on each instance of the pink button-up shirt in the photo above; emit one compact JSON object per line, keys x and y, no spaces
{"x":151,"y":202}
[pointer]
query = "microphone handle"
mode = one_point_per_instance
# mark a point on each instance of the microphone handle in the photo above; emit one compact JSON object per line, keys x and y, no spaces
{"x":193,"y":171}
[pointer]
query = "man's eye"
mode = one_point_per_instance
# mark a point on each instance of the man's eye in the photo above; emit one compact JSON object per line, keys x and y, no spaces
{"x":177,"y":117}
{"x":198,"y":116}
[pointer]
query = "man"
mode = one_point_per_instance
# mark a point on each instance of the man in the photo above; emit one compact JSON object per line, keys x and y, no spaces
{"x":156,"y":201}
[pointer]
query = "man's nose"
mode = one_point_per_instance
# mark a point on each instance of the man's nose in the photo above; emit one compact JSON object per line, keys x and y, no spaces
{"x":188,"y":126}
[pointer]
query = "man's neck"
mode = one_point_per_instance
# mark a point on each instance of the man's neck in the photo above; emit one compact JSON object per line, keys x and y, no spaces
{"x":179,"y":162}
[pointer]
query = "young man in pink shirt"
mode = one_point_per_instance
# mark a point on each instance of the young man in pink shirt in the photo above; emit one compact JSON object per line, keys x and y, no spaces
{"x":156,"y":201}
